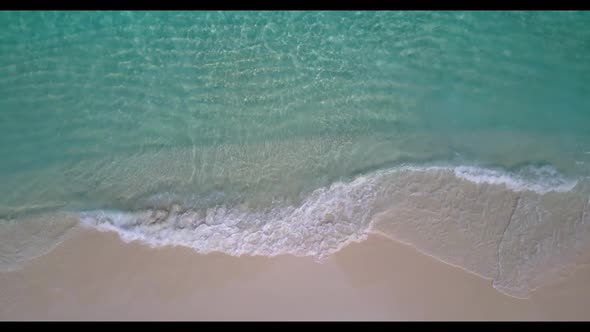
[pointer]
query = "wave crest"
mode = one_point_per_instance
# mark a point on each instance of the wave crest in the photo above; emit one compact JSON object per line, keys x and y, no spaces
{"x":487,"y":221}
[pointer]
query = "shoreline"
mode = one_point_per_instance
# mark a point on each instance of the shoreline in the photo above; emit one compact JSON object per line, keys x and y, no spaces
{"x":94,"y":275}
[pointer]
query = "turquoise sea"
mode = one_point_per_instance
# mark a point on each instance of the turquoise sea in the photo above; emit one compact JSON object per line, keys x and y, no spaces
{"x":464,"y":134}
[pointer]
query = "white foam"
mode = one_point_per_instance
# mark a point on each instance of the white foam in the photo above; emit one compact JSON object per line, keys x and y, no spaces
{"x":539,"y":179}
{"x":330,"y":218}
{"x":326,"y":221}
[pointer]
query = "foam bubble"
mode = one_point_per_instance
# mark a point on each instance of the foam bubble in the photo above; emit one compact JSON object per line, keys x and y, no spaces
{"x":541,"y":180}
{"x":466,"y":216}
{"x":326,"y":221}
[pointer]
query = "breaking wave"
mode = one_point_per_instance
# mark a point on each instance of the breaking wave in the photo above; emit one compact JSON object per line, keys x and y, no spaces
{"x":505,"y":226}
{"x":521,"y":229}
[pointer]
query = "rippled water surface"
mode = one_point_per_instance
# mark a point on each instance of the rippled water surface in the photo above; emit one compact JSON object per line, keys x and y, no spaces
{"x":464,"y":134}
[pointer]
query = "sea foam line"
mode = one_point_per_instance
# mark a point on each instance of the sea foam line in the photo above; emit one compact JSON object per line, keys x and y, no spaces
{"x":324,"y":223}
{"x":538,"y":179}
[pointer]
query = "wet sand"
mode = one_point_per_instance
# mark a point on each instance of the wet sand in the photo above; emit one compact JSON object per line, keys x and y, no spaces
{"x":95,"y":276}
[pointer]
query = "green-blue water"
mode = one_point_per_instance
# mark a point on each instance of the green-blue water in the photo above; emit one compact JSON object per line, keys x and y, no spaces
{"x":128,"y":111}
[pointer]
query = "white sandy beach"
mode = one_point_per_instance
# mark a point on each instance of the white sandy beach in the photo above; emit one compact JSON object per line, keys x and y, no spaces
{"x":95,"y":276}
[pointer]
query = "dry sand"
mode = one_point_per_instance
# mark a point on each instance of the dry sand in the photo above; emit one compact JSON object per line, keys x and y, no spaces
{"x":95,"y":276}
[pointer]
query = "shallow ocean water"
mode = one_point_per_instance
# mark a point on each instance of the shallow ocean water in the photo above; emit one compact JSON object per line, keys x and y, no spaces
{"x":464,"y":134}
